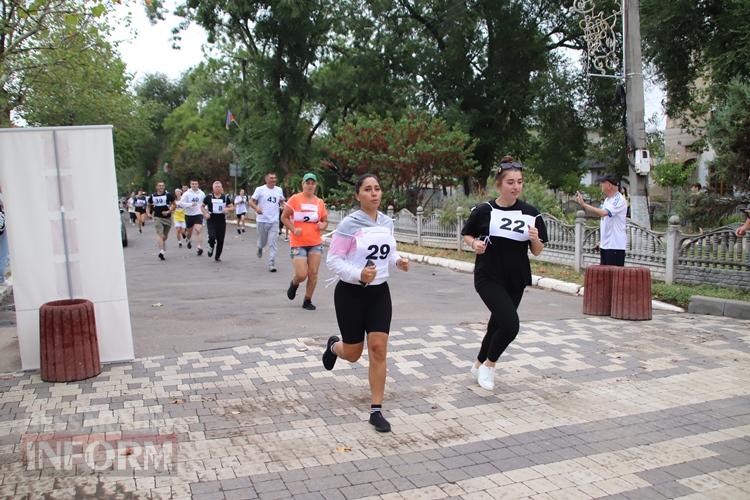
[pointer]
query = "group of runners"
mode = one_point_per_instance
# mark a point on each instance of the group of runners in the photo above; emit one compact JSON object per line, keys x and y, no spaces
{"x":362,"y":251}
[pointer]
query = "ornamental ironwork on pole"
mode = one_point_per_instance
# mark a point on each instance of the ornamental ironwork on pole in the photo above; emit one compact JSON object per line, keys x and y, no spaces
{"x":603,"y":43}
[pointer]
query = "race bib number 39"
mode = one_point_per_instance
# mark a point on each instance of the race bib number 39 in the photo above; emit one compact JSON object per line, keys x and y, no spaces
{"x":510,"y":224}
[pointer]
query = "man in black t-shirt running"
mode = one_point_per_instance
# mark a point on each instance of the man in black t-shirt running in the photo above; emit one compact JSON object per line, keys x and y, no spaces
{"x":214,"y":208}
{"x":161,"y":204}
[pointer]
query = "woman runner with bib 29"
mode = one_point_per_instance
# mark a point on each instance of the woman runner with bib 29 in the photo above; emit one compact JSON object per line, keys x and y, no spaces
{"x":362,"y":248}
{"x":501,"y":232}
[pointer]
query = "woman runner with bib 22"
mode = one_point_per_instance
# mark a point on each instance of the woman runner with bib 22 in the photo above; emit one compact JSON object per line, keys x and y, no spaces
{"x":501,"y":232}
{"x":362,"y":248}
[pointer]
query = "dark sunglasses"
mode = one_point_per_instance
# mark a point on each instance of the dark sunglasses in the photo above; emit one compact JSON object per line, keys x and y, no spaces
{"x":514,"y":165}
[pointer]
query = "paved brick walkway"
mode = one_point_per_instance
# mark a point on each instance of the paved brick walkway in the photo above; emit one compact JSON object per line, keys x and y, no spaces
{"x":582,"y":408}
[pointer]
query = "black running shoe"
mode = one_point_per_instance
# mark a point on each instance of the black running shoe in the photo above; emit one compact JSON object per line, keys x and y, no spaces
{"x":200,"y":252}
{"x":189,"y":245}
{"x":291,"y":292}
{"x":210,"y":252}
{"x":379,"y":422}
{"x":329,"y":358}
{"x":161,"y":256}
{"x":238,"y":231}
{"x":243,"y":229}
{"x":307,"y":304}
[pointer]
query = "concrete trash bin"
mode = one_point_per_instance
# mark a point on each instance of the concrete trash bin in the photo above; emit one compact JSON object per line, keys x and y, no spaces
{"x":597,"y":290}
{"x":68,"y":344}
{"x":631,"y":293}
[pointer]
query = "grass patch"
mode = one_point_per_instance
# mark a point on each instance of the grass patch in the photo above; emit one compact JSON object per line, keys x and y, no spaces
{"x":676,"y":294}
{"x":679,"y":295}
{"x":555,"y":271}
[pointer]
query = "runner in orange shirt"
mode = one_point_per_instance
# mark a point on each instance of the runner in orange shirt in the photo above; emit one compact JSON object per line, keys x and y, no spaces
{"x":305,"y":216}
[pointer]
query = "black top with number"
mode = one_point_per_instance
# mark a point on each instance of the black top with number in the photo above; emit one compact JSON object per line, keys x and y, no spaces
{"x":161,"y":203}
{"x":208,"y":201}
{"x":505,"y":260}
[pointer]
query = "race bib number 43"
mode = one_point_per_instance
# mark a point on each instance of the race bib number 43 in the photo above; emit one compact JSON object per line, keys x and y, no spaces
{"x":511,"y":224}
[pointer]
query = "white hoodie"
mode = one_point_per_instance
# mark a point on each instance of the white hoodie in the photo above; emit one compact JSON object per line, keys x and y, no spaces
{"x":358,"y":239}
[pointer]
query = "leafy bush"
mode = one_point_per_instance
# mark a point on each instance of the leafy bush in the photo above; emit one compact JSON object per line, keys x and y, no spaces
{"x":707,"y":210}
{"x":536,"y":192}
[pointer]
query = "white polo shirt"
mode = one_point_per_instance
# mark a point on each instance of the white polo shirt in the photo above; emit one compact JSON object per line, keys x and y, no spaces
{"x":612,"y":226}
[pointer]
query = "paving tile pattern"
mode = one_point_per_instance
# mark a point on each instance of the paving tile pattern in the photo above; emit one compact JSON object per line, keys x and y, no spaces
{"x":586,"y":408}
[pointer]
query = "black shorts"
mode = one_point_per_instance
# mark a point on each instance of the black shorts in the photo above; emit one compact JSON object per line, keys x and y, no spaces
{"x":140,"y":210}
{"x":361,"y":309}
{"x":611,"y":257}
{"x":192,"y":220}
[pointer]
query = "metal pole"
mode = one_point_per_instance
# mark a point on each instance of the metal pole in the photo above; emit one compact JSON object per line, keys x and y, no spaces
{"x":635,"y":129}
{"x":62,"y":217}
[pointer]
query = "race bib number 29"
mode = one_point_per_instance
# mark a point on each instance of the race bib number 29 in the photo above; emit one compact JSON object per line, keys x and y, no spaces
{"x":511,"y":224}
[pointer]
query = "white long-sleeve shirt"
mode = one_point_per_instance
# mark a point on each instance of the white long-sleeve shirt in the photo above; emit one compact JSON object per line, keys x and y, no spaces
{"x":188,"y":198}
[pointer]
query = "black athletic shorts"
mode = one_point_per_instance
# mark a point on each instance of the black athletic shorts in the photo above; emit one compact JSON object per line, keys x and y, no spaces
{"x":192,"y":220}
{"x":361,"y":309}
{"x":140,"y":210}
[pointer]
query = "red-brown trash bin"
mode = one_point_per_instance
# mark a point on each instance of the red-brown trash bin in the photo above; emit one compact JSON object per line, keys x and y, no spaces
{"x":597,"y":290}
{"x":68,"y":343}
{"x":631,"y":293}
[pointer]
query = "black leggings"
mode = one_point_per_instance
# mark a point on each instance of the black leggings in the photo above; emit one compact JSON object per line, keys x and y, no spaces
{"x":503,"y":325}
{"x":217,"y":228}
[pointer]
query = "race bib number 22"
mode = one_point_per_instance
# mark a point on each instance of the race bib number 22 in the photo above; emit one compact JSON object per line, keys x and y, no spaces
{"x":511,"y":224}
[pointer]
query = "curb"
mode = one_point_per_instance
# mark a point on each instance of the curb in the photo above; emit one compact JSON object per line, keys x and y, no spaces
{"x":538,"y":281}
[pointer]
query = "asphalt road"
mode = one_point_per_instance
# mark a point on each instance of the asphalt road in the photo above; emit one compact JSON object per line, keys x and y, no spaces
{"x":191,"y":303}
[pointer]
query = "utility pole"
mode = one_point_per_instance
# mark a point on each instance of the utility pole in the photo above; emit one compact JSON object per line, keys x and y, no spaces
{"x":635,"y":129}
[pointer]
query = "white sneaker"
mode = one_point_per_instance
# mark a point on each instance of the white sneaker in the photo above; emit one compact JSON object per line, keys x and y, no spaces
{"x":486,"y":377}
{"x":474,"y":371}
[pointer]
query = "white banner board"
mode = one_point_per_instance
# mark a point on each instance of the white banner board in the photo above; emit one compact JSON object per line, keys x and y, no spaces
{"x":38,"y":166}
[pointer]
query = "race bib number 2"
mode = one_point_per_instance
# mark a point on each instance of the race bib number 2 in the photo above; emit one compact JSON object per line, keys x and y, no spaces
{"x":511,"y":224}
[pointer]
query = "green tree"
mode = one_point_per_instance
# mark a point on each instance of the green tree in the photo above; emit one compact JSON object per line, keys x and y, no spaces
{"x":478,"y":60}
{"x":410,"y":154}
{"x":274,"y":45}
{"x":55,"y":31}
{"x":670,"y":174}
{"x":557,"y":145}
{"x":95,"y":91}
{"x":729,"y":133}
{"x":696,"y":47}
{"x":197,"y":142}
{"x":158,"y":96}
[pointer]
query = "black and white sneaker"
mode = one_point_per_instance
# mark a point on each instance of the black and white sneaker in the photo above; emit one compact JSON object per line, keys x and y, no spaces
{"x":200,"y":252}
{"x":329,"y":358}
{"x":379,"y":422}
{"x":161,"y":256}
{"x":179,"y":244}
{"x":190,"y":245}
{"x":210,"y":252}
{"x":291,"y":292}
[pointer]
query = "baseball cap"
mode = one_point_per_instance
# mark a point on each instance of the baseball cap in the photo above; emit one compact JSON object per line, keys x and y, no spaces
{"x":611,"y":178}
{"x":309,"y":176}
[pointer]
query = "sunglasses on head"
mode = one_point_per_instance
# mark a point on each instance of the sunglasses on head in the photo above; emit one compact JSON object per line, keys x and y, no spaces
{"x":511,"y":165}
